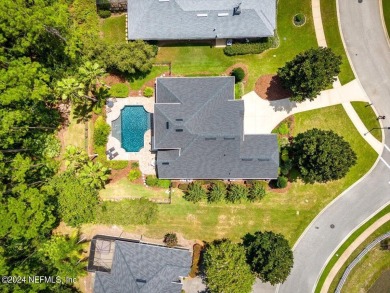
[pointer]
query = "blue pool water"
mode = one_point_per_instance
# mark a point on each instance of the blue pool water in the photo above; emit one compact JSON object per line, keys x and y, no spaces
{"x":134,"y":123}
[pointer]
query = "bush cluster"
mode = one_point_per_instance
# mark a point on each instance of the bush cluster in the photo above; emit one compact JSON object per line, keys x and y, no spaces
{"x":218,"y":191}
{"x":170,"y":239}
{"x":148,"y":92}
{"x":197,"y":250}
{"x":238,"y":73}
{"x":119,"y":90}
{"x":155,"y":182}
{"x":113,"y":164}
{"x":104,"y":13}
{"x":134,"y":174}
{"x":101,"y":132}
{"x":282,"y":182}
{"x":248,"y":48}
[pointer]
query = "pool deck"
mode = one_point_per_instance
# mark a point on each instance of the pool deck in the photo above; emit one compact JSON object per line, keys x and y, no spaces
{"x":145,"y":157}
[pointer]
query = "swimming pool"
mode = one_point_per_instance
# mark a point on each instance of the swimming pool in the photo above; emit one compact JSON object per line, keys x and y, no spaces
{"x":134,"y":122}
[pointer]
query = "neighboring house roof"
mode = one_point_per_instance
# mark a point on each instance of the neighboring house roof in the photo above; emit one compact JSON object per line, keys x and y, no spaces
{"x":144,"y":268}
{"x":199,"y":134}
{"x":200,"y":19}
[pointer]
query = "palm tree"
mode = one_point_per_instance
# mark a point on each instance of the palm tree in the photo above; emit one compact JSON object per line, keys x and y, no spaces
{"x":95,"y":175}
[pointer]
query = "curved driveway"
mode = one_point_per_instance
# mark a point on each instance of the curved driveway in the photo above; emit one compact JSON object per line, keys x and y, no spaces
{"x":370,"y":54}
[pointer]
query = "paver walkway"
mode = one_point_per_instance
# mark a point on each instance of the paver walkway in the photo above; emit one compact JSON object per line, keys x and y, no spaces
{"x":347,"y":253}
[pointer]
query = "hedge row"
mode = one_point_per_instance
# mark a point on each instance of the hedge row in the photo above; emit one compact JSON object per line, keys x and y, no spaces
{"x":249,"y":48}
{"x":155,"y":182}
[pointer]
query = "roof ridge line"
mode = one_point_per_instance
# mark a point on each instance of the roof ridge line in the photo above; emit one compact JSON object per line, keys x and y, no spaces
{"x":267,"y":22}
{"x":135,"y":279}
{"x":211,"y":99}
{"x":181,"y":102}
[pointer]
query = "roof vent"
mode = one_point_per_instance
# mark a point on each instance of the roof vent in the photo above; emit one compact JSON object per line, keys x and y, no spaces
{"x":202,"y":15}
{"x":179,"y":119}
{"x":228,"y":138}
{"x":165,"y":163}
{"x":237,"y":9}
{"x":140,"y":281}
{"x":246,"y":160}
{"x":210,"y":138}
{"x":179,"y":130}
{"x":167,"y":125}
{"x":223,"y":14}
{"x":263,"y":159}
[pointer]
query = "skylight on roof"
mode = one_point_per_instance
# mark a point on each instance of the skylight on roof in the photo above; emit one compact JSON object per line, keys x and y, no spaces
{"x":202,"y":15}
{"x":223,"y":14}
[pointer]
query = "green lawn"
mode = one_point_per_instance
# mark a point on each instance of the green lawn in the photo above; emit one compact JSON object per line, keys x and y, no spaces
{"x":277,"y":211}
{"x":333,"y":38}
{"x":369,"y":118}
{"x":365,"y":273}
{"x":75,"y":133}
{"x":114,"y":29}
{"x":345,"y":245}
{"x":124,"y":188}
{"x":386,"y":13}
{"x":202,"y":60}
{"x":139,"y":81}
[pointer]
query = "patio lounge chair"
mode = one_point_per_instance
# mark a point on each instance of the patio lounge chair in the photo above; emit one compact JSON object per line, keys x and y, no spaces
{"x":114,"y":155}
{"x":113,"y":99}
{"x":108,"y":110}
{"x":111,"y":149}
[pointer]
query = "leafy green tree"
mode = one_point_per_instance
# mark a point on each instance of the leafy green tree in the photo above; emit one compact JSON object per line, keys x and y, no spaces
{"x":195,"y":192}
{"x":256,"y":191}
{"x":217,"y":192}
{"x":269,"y":256}
{"x":282,"y":182}
{"x":76,"y":200}
{"x":75,"y":158}
{"x":238,"y":73}
{"x":226,"y":269}
{"x":236,"y":193}
{"x":94,"y":175}
{"x":322,"y":155}
{"x":309,"y":73}
{"x":64,"y":253}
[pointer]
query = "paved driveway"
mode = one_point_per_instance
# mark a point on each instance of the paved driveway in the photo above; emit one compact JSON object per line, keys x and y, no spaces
{"x":370,"y":54}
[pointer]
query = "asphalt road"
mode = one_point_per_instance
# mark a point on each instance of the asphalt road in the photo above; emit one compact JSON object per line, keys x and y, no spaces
{"x":370,"y":53}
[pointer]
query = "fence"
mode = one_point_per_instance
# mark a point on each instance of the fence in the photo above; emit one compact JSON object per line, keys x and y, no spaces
{"x":358,"y":258}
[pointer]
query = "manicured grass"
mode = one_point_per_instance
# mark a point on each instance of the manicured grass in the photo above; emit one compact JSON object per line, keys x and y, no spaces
{"x":124,"y":188}
{"x":386,"y":14}
{"x":136,"y":82}
{"x":346,"y":244}
{"x":202,"y":60}
{"x":277,"y":211}
{"x":114,"y":29}
{"x":333,"y":38}
{"x":75,"y":133}
{"x":369,"y":118}
{"x":365,"y":273}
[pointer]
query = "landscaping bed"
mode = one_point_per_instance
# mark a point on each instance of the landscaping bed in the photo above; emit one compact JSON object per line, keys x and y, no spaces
{"x":269,"y":87}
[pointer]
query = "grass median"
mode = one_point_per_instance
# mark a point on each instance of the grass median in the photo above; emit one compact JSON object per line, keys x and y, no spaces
{"x":333,"y":38}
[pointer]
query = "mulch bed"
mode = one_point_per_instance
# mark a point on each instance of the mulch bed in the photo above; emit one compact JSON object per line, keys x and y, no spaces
{"x":243,"y":66}
{"x":117,"y":175}
{"x":269,"y":87}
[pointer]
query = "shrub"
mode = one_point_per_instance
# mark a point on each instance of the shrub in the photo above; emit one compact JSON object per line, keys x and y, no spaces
{"x":104,"y":5}
{"x":197,"y":250}
{"x":170,"y":239}
{"x":249,"y":48}
{"x":119,"y":90}
{"x":236,"y":193}
{"x":183,"y":186}
{"x":281,"y":182}
{"x":299,"y":19}
{"x":134,"y":165}
{"x":52,"y":146}
{"x":155,"y":182}
{"x":113,"y":164}
{"x":148,"y":92}
{"x":238,"y":73}
{"x":101,"y":132}
{"x":134,"y":174}
{"x":127,"y":212}
{"x":195,"y":192}
{"x":256,"y":191}
{"x":104,"y":13}
{"x":217,"y":192}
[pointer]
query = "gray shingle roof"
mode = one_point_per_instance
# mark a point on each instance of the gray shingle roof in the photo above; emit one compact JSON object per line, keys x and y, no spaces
{"x":144,"y":268}
{"x":179,"y":19}
{"x":210,"y":143}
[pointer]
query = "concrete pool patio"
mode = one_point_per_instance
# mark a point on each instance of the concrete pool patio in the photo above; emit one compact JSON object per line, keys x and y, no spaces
{"x":145,"y":157}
